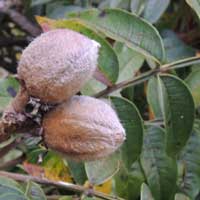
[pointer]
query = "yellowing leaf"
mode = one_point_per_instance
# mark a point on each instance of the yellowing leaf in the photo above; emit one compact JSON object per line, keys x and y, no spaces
{"x":45,"y":23}
{"x":55,"y":169}
{"x":57,"y":175}
{"x":105,"y":187}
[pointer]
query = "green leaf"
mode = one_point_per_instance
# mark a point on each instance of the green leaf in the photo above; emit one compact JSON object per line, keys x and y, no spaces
{"x":133,"y":124}
{"x":180,"y":196}
{"x":153,"y":97}
{"x":195,"y":67}
{"x":177,"y":106}
{"x":154,"y":9}
{"x":32,"y":142}
{"x":128,"y":184}
{"x":55,"y":168}
{"x":99,"y":171}
{"x":3,"y":73}
{"x":189,"y":158}
{"x":129,"y":61}
{"x":58,"y":10}
{"x":151,"y":63}
{"x":34,"y":191}
{"x":107,"y":62}
{"x":137,"y":6}
{"x":92,"y":87}
{"x":128,"y":93}
{"x":8,"y":89}
{"x":125,"y":27}
{"x":175,"y":48}
{"x":145,"y":193}
{"x":11,"y":196}
{"x":8,"y":86}
{"x":10,"y":189}
{"x":39,"y":2}
{"x":114,"y":4}
{"x":195,"y":5}
{"x":34,"y":155}
{"x":11,"y":155}
{"x":193,"y":82}
{"x":77,"y":170}
{"x":159,"y":168}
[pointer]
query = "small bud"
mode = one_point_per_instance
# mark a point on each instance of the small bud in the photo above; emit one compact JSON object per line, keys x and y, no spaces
{"x":56,"y":64}
{"x":83,"y":128}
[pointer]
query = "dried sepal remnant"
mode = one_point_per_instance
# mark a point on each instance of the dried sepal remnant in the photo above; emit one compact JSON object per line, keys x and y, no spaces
{"x":3,"y":135}
{"x":83,"y":128}
{"x":57,"y":64}
{"x":13,"y":117}
{"x":19,"y":102}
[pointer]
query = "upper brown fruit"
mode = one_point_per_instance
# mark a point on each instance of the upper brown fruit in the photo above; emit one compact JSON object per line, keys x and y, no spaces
{"x":57,"y":64}
{"x":83,"y":128}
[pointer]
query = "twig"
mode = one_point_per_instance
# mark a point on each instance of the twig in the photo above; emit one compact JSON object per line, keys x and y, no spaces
{"x":147,"y":75}
{"x":53,"y":197}
{"x":56,"y":197}
{"x":60,"y":184}
{"x":137,"y":80}
{"x":189,"y":37}
{"x":7,"y":42}
{"x":21,"y":21}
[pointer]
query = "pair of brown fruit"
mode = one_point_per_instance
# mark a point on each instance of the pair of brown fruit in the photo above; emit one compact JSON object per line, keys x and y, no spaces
{"x":53,"y":68}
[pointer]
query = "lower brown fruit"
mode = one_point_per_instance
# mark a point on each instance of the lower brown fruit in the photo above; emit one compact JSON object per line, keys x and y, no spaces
{"x":83,"y":128}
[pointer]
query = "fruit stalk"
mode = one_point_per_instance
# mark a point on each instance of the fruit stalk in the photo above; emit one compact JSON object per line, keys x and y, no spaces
{"x":15,"y":118}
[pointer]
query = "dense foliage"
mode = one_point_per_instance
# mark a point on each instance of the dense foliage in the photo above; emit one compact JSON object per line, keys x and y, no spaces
{"x":148,"y":67}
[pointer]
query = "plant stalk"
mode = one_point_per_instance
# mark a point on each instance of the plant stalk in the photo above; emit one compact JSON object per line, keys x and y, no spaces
{"x":60,"y":184}
{"x":147,"y":75}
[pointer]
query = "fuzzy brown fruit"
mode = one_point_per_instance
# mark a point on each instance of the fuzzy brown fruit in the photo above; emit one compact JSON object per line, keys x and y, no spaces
{"x":57,"y":64}
{"x":83,"y":128}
